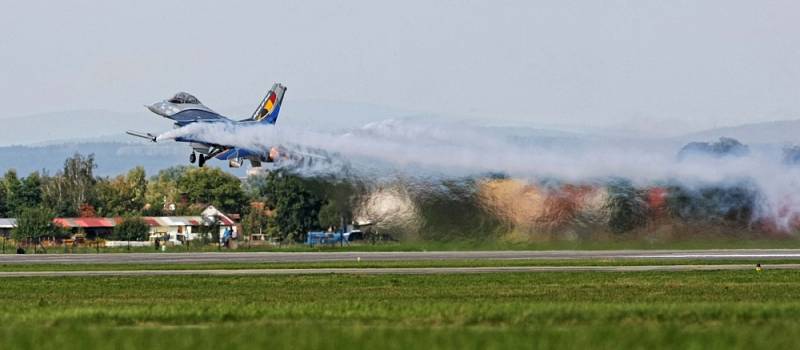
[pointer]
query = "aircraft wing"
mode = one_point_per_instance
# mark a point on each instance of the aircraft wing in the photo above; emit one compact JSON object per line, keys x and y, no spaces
{"x":195,"y":115}
{"x":211,"y":144}
{"x":154,"y":138}
{"x":216,"y":148}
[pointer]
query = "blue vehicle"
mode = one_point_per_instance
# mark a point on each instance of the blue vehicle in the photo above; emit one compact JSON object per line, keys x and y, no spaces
{"x":329,"y":238}
{"x":185,"y":109}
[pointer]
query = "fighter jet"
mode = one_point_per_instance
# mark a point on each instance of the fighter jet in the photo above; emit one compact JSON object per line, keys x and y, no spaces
{"x":185,"y":109}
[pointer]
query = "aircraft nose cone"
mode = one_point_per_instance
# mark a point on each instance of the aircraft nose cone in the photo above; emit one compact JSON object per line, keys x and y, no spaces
{"x":160,"y":108}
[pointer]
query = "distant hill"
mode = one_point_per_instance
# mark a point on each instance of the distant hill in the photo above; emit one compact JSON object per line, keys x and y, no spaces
{"x":75,"y":125}
{"x":776,"y":132}
{"x":105,"y":126}
{"x":112,"y":158}
{"x":43,"y":141}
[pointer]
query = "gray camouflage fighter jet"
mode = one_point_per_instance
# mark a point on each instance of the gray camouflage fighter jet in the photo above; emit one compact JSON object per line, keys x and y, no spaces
{"x":185,"y":109}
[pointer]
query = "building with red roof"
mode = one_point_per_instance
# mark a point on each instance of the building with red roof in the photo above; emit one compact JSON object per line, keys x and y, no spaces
{"x":169,"y":228}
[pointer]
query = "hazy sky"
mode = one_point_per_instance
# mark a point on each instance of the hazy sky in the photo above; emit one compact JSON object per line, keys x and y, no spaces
{"x":602,"y":63}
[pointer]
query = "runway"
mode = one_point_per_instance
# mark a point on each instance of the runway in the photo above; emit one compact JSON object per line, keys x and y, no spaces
{"x":395,"y":271}
{"x":289,"y":257}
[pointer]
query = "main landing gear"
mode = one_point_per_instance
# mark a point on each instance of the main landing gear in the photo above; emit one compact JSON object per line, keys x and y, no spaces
{"x":201,"y":159}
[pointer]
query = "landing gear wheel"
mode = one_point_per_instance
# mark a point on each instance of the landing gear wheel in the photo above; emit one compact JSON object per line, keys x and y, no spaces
{"x":192,"y":158}
{"x":201,"y":161}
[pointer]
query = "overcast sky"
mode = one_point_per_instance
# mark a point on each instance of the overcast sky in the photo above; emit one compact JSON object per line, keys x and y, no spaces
{"x":600,"y":63}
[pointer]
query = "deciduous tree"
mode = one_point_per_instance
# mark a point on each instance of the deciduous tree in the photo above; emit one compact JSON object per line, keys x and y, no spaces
{"x":12,"y":186}
{"x":30,"y":192}
{"x":131,"y":229}
{"x":123,"y":195}
{"x":296,"y":208}
{"x":3,"y":203}
{"x":626,"y":207}
{"x":72,"y":186}
{"x":329,"y":216}
{"x":35,"y":223}
{"x":213,"y":186}
{"x":255,"y":221}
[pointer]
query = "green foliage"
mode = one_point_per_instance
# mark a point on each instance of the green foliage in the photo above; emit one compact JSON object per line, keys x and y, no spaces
{"x":296,"y":207}
{"x":30,"y":192}
{"x":72,"y":187}
{"x":162,"y":191}
{"x":332,"y":199}
{"x":713,"y":204}
{"x":131,"y":229}
{"x":35,"y":223}
{"x":3,"y":202}
{"x":255,"y":222}
{"x":136,"y":183}
{"x":20,"y":193}
{"x":124,"y":195}
{"x":12,"y":186}
{"x":625,"y":206}
{"x":209,"y":233}
{"x":341,"y":194}
{"x":173,"y":173}
{"x":443,"y":211}
{"x":453,"y":211}
{"x":329,"y":216}
{"x":726,"y":146}
{"x":213,"y":186}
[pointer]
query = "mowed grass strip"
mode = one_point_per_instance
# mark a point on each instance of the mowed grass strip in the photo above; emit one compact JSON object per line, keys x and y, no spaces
{"x":710,"y":242}
{"x":711,"y":309}
{"x":384,"y":264}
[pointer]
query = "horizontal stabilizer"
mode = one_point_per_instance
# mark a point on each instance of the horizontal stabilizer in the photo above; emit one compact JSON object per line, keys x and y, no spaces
{"x":144,"y":135}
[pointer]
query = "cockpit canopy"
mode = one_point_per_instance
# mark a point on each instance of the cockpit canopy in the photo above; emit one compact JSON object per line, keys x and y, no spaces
{"x":184,"y":97}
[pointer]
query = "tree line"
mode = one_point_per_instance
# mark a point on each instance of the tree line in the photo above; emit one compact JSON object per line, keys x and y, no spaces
{"x":278,"y":204}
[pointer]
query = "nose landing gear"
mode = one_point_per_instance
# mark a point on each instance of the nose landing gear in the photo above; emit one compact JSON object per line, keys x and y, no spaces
{"x":201,"y":160}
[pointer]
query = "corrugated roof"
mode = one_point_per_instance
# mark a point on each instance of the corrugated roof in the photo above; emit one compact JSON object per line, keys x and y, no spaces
{"x":175,"y":220}
{"x":86,"y":222}
{"x":8,"y":223}
{"x":225,"y":220}
{"x":153,"y":221}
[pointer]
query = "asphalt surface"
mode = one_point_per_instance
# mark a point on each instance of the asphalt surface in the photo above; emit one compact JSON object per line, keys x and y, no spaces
{"x":395,"y":271}
{"x":256,"y":257}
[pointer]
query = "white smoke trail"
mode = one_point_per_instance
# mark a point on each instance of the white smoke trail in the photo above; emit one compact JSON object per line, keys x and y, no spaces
{"x":450,"y":149}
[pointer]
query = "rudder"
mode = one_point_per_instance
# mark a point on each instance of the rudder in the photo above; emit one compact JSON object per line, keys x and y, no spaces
{"x":270,"y":106}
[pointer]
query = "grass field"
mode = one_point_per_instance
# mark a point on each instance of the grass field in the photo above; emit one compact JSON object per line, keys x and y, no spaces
{"x":384,"y":264}
{"x":692,"y":310}
{"x":716,"y":243}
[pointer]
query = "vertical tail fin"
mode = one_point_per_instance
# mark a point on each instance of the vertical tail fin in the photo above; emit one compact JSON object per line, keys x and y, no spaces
{"x":270,"y":106}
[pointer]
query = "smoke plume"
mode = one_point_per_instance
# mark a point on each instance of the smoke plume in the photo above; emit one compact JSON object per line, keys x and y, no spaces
{"x":537,"y":180}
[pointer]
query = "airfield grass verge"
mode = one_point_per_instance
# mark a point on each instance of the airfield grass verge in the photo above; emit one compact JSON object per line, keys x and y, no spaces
{"x":387,"y":246}
{"x":702,"y":310}
{"x":366,"y":264}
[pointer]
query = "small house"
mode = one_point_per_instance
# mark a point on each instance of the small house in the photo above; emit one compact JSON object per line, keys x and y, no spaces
{"x":6,"y":225}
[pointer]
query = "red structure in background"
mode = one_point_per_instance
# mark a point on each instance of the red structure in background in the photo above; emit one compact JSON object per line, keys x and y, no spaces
{"x":657,"y":202}
{"x":93,"y":227}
